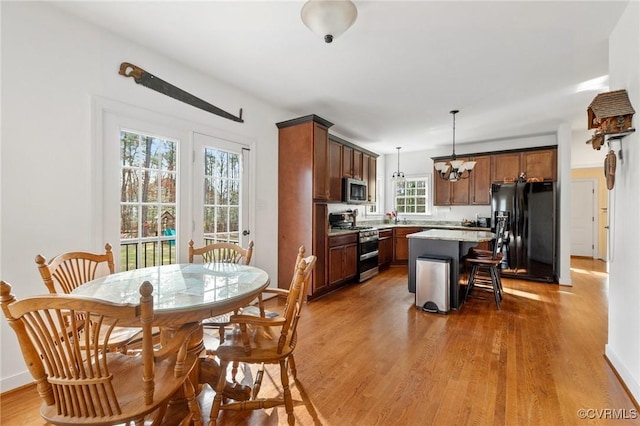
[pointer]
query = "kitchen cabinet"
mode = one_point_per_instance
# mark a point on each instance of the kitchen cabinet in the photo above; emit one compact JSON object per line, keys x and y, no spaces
{"x":401,"y":242}
{"x":371,"y":177}
{"x":448,"y":193}
{"x":385,"y":247}
{"x":480,"y":184}
{"x":335,"y":171}
{"x":343,"y":258}
{"x":303,"y":182}
{"x":352,"y":162}
{"x":533,"y":163}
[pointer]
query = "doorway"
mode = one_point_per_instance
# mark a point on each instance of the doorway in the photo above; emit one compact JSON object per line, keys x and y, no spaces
{"x":584,"y":218}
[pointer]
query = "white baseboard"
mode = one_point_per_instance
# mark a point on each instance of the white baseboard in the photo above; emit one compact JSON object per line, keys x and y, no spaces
{"x":13,"y":382}
{"x":632,"y":385}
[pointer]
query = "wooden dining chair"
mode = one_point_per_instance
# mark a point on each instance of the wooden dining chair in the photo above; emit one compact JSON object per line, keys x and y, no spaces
{"x":67,"y":271}
{"x":79,"y":380}
{"x":248,"y":346}
{"x":484,"y":274}
{"x":222,"y":253}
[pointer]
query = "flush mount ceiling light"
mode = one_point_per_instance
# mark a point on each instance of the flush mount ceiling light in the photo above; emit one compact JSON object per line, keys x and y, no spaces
{"x":329,"y":18}
{"x":454,"y":169}
{"x":398,"y":176}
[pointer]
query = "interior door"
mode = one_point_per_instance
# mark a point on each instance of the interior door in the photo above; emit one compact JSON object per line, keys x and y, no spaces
{"x":221,"y":191}
{"x":582,"y":218}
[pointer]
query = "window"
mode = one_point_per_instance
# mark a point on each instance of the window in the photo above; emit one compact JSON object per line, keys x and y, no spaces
{"x":412,"y":196}
{"x":221,"y":196}
{"x":148,"y":179}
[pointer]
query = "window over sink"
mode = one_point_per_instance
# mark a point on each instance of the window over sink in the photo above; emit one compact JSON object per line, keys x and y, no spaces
{"x":413,"y":195}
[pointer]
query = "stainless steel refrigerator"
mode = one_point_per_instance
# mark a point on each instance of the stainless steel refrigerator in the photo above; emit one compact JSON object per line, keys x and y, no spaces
{"x":530,"y":249}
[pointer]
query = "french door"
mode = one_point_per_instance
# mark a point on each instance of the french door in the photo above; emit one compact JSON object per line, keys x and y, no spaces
{"x":162,"y":184}
{"x":221,"y":191}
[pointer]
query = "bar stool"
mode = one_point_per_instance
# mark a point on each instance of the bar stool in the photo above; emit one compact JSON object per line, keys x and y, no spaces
{"x":484,"y":274}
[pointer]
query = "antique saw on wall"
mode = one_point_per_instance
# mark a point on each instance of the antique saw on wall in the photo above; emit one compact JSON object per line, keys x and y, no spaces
{"x":152,"y":82}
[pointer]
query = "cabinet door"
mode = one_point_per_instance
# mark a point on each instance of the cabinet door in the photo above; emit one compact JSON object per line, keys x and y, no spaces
{"x":385,"y":250}
{"x":542,"y":164}
{"x":481,"y":181}
{"x":320,"y":244}
{"x":335,"y":171}
{"x":336,"y":255}
{"x":347,"y":161}
{"x":373,"y":179}
{"x":358,"y":157}
{"x":350,"y":261}
{"x":505,"y":167}
{"x":401,"y":243}
{"x":460,"y":190}
{"x":320,"y":162}
{"x":441,"y":191}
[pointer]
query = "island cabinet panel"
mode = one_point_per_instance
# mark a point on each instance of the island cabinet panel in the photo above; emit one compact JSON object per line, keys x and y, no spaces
{"x":343,"y":258}
{"x":481,"y":181}
{"x":401,"y":243}
{"x":385,"y":247}
{"x":335,"y":171}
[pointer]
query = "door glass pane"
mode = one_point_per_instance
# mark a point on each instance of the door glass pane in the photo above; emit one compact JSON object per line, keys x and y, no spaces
{"x":222,"y":183}
{"x":148,"y":213}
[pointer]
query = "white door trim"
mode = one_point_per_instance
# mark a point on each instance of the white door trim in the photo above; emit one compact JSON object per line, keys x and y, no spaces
{"x":594,"y":212}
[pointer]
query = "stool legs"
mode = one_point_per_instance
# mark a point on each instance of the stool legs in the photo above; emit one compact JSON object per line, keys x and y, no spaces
{"x":494,"y":286}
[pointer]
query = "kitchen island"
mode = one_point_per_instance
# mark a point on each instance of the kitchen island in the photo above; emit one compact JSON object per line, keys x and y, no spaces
{"x":445,"y":243}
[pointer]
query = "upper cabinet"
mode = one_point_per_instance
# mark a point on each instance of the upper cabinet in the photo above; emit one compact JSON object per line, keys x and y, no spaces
{"x":448,"y":193}
{"x":480,"y":181}
{"x":541,"y":164}
{"x":353,"y":162}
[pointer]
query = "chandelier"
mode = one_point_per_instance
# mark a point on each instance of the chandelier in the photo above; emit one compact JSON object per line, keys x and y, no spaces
{"x":328,"y":18}
{"x":398,"y":176}
{"x":454,"y":169}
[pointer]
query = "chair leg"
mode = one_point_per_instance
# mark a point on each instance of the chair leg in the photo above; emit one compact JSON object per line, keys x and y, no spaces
{"x":288,"y":400}
{"x":494,"y":282}
{"x":217,"y":400}
{"x":194,"y":408}
{"x":292,"y":367}
{"x":472,"y":275}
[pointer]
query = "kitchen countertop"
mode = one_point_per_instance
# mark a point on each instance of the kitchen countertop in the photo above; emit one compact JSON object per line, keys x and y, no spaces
{"x":454,"y":235}
{"x":438,"y":225}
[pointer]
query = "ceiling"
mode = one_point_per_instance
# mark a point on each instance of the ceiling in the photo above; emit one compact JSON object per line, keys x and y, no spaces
{"x":511,"y":68}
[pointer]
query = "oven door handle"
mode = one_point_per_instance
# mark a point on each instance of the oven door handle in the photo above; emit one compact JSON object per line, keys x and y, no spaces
{"x":369,"y":255}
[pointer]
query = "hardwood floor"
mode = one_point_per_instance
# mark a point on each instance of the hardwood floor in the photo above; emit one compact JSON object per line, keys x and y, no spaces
{"x":366,"y":356}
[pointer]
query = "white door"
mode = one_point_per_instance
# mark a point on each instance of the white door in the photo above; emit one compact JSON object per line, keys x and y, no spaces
{"x":221,"y":191}
{"x":583,"y":202}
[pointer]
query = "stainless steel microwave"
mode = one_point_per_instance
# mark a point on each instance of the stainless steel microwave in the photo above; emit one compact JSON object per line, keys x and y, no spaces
{"x":354,"y":191}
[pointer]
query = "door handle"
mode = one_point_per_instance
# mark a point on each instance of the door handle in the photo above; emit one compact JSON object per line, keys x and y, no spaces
{"x":246,"y":232}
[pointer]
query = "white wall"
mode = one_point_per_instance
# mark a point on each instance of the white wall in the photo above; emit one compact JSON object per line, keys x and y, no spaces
{"x":583,"y":155}
{"x":53,"y":67}
{"x":623,"y":347}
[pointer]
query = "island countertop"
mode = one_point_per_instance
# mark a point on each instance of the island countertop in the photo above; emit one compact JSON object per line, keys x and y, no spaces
{"x":454,"y":235}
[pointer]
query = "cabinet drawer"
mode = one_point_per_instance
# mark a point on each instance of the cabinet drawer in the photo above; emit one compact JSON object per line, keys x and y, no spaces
{"x":385,"y":233}
{"x":341,"y":240}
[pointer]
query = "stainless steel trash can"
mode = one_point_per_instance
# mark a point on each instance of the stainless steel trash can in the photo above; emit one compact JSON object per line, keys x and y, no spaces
{"x":432,"y":283}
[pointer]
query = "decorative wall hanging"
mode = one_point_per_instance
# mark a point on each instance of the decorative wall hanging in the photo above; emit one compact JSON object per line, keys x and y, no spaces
{"x":152,"y":82}
{"x":611,"y":114}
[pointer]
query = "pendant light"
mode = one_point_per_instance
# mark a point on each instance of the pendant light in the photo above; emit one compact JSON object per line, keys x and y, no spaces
{"x":328,"y":18}
{"x":398,"y":176}
{"x":454,"y":169}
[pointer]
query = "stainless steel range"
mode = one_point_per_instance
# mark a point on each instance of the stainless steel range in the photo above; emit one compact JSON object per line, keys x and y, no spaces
{"x":367,"y":242}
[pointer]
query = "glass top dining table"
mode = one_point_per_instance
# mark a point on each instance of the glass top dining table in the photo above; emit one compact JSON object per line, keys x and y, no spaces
{"x":183,"y":292}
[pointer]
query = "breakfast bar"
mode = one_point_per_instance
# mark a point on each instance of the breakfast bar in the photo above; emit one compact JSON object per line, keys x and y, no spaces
{"x":453,"y":244}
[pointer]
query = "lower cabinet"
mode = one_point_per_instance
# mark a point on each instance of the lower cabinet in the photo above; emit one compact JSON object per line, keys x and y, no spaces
{"x":343,"y":258}
{"x":385,"y":247}
{"x":401,"y":243}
